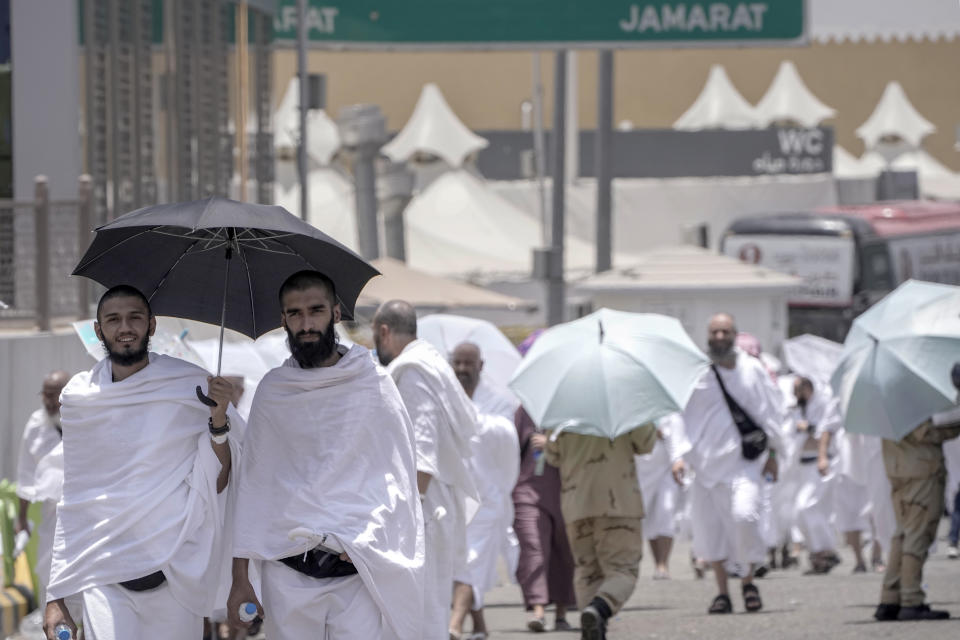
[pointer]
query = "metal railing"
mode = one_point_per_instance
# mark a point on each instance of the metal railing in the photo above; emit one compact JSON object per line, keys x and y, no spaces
{"x":41,"y":242}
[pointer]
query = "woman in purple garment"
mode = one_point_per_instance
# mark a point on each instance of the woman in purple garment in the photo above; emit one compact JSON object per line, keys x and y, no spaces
{"x":545,"y":570}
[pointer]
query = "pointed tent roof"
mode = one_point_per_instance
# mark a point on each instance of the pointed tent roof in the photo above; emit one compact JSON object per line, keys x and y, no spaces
{"x":435,"y":129}
{"x":323,"y":135}
{"x":719,"y":106}
{"x":788,"y":98}
{"x":895,"y":115}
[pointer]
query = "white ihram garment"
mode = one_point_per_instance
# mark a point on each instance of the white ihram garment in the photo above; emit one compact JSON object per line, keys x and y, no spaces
{"x":444,"y":421}
{"x":496,"y":466}
{"x":660,"y":492}
{"x":139,"y":490}
{"x":726,"y":494}
{"x":492,"y":399}
{"x":330,"y":450}
{"x":815,"y":494}
{"x":40,"y":438}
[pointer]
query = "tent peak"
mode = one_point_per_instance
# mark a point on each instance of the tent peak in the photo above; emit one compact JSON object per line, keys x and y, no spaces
{"x":434,"y":129}
{"x":788,"y":98}
{"x":719,"y":106}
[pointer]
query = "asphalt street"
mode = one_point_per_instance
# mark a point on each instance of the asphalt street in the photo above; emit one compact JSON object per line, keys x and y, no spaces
{"x":836,"y":605}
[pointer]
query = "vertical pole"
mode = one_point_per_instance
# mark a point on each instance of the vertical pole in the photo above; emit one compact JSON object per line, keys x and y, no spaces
{"x":365,"y":174}
{"x":41,"y":222}
{"x":242,"y":99}
{"x":555,"y":293}
{"x":602,"y":159}
{"x":84,"y":226}
{"x":395,"y":188}
{"x":572,"y":120}
{"x":304,"y":105}
{"x":539,"y":148}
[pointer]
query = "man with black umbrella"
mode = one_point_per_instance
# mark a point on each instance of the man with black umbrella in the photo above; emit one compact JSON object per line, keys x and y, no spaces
{"x":140,"y":526}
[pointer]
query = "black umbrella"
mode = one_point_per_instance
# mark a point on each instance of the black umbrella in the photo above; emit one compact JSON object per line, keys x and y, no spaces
{"x":219,"y":261}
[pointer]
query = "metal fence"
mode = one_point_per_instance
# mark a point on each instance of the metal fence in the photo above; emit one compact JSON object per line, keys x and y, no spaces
{"x":41,"y":242}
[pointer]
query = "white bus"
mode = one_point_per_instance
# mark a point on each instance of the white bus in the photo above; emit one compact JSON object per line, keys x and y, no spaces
{"x":850,"y":256}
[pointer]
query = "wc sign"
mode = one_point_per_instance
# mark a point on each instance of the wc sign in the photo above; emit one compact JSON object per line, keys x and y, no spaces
{"x":796,"y":150}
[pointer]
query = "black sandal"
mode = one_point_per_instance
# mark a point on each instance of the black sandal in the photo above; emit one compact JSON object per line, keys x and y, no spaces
{"x":721,"y":604}
{"x":751,"y":598}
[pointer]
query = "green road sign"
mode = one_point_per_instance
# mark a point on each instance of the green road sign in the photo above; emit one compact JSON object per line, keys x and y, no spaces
{"x":505,"y":24}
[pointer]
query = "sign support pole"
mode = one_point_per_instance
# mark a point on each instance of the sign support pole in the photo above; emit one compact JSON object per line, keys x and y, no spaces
{"x":602,"y":169}
{"x":555,"y":283}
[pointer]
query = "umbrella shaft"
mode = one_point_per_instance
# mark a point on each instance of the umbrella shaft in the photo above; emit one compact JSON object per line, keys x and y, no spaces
{"x":223,"y":310}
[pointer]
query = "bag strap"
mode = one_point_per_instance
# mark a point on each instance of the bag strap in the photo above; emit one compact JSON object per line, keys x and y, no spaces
{"x":733,"y":406}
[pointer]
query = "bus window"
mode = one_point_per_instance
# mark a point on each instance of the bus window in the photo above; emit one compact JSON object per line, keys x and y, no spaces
{"x":876,"y":268}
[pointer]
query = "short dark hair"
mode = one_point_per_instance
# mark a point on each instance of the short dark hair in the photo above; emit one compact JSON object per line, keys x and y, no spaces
{"x":805,"y":382}
{"x":123,"y":291}
{"x":399,"y":315}
{"x":303,"y":280}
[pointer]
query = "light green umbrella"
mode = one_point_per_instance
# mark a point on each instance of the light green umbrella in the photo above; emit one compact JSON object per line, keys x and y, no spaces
{"x":608,"y":373}
{"x":894,"y":371}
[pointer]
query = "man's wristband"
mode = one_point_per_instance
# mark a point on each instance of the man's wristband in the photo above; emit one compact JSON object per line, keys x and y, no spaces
{"x":218,"y":431}
{"x":218,"y":439}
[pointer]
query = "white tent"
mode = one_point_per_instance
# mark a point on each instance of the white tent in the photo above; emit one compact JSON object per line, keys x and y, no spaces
{"x":894,"y":115}
{"x":788,"y":98}
{"x":935,"y":180}
{"x":458,"y":225}
{"x":719,"y":106}
{"x":691,"y":284}
{"x":872,"y":163}
{"x":847,"y":165}
{"x":332,"y":205}
{"x":434,"y":129}
{"x":323,"y":135}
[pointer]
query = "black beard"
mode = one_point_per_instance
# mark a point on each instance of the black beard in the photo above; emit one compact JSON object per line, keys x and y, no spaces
{"x":129,"y":358}
{"x":718,"y":352}
{"x":310,"y":355}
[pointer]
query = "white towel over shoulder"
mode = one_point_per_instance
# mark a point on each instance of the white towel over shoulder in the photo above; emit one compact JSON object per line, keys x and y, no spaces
{"x":139,"y":487}
{"x":330,"y":449}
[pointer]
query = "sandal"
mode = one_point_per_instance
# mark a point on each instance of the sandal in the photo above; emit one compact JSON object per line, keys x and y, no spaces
{"x":751,"y":598}
{"x":561,"y":624}
{"x":721,"y":604}
{"x":537,"y":625}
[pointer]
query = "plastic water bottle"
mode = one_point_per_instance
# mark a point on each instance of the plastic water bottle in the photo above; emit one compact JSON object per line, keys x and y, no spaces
{"x":540,"y":460}
{"x":248,"y":611}
{"x":62,"y":632}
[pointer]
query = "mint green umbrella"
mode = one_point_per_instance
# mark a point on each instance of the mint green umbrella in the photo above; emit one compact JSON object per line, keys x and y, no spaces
{"x":608,"y":373}
{"x":894,"y":371}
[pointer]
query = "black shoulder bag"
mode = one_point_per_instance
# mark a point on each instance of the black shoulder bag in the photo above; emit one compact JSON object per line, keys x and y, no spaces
{"x":753,"y":439}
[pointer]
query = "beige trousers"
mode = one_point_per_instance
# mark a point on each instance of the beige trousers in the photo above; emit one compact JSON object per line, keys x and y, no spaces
{"x":917,"y":505}
{"x":606,"y":556}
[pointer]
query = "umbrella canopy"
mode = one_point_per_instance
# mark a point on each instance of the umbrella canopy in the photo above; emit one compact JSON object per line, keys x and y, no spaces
{"x":812,"y":357}
{"x":176,"y":254}
{"x":894,"y":371}
{"x":608,"y":373}
{"x":446,"y":331}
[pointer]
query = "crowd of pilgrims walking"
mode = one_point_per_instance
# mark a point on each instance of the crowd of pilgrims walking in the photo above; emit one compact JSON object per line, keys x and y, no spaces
{"x":380,"y":500}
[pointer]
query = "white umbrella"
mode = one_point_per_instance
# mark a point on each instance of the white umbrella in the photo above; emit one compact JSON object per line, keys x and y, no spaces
{"x":446,"y":331}
{"x":608,"y":373}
